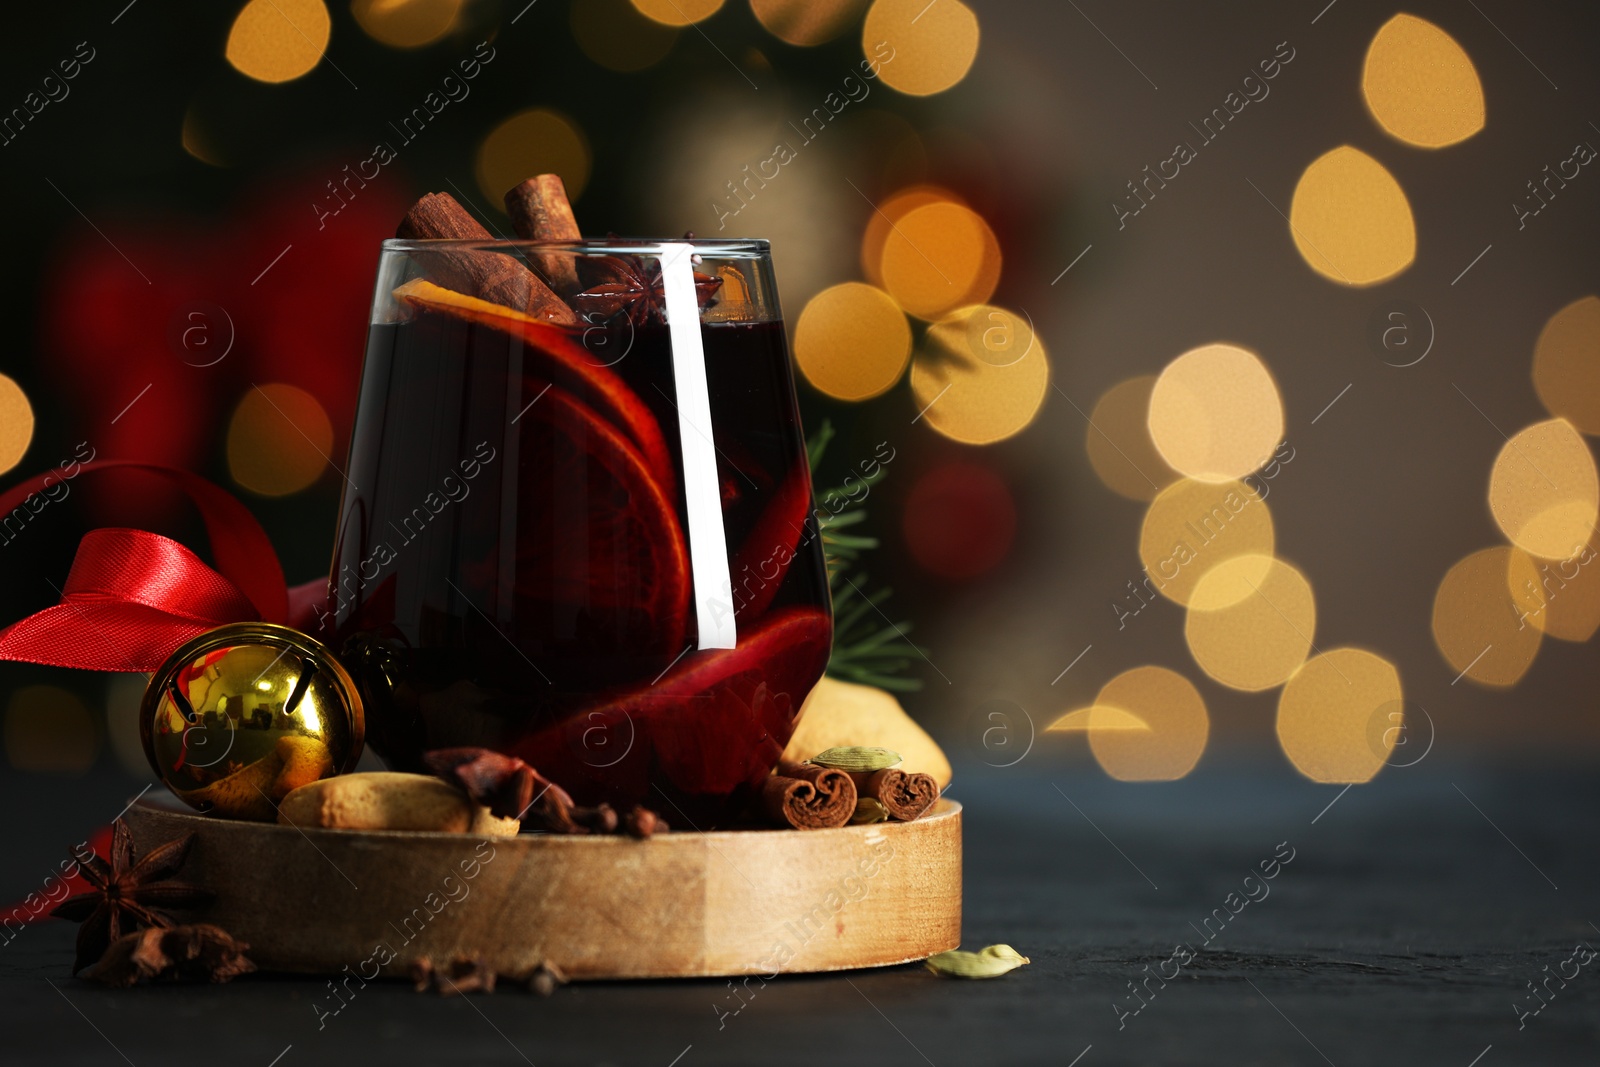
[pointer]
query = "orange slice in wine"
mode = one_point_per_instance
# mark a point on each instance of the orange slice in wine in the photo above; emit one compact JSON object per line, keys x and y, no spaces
{"x":600,"y":548}
{"x":762,"y":562}
{"x":712,"y":725}
{"x":568,"y":363}
{"x":726,"y":714}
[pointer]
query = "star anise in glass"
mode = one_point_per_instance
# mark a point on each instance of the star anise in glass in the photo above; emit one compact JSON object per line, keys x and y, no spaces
{"x":634,"y":290}
{"x":128,"y":896}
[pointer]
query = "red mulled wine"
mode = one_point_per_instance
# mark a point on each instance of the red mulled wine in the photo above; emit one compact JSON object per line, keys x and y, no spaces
{"x":515,"y":567}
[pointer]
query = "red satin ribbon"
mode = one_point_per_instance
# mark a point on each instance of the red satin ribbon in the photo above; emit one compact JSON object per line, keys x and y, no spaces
{"x":133,"y":597}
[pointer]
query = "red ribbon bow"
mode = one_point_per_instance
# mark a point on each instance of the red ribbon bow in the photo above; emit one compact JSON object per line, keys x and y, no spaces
{"x":133,"y":596}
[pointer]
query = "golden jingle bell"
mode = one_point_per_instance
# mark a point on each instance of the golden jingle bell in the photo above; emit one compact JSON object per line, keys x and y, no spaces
{"x":242,"y":714}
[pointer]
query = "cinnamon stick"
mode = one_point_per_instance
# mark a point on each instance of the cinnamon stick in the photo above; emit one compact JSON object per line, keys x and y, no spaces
{"x":904,"y":796}
{"x":807,"y":797}
{"x":540,"y":211}
{"x":487,"y":275}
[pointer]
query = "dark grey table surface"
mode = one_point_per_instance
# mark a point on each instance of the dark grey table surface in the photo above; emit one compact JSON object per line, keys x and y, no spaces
{"x":1407,"y":928}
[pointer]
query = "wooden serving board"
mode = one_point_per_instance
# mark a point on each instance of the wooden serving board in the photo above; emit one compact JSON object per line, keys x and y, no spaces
{"x":678,"y":905}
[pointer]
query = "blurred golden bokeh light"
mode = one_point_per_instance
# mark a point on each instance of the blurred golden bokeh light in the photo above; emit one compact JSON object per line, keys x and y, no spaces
{"x":1544,"y":490}
{"x":1231,"y":581}
{"x":1120,"y":448}
{"x":16,"y":423}
{"x":1169,"y":705}
{"x":1340,"y":716}
{"x":1479,"y":628}
{"x":939,"y":257}
{"x":406,"y":23}
{"x":49,"y":730}
{"x":1257,"y":640}
{"x":1098,"y":717}
{"x":1560,"y":597}
{"x":278,"y":40}
{"x":279,"y":440}
{"x":1523,"y":574}
{"x":852,"y":341}
{"x":1421,"y":85}
{"x":933,"y":44}
{"x":1566,"y":364}
{"x":616,"y":36}
{"x":1192,"y":527}
{"x":884,"y":217}
{"x":678,"y":12}
{"x":1351,"y":220}
{"x":1215,"y":413}
{"x":807,"y":22}
{"x":980,"y":375}
{"x":535,"y":141}
{"x":996,"y":335}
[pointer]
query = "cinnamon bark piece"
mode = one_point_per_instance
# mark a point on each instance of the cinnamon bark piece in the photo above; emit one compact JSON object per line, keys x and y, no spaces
{"x":904,"y":796}
{"x":487,"y":275}
{"x":807,"y":797}
{"x":540,"y":211}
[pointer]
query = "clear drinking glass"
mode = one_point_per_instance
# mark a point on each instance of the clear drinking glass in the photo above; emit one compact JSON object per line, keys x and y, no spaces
{"x":581,"y":533}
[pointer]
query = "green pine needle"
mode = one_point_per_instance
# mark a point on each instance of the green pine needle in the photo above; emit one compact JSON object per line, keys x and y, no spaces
{"x":868,"y":647}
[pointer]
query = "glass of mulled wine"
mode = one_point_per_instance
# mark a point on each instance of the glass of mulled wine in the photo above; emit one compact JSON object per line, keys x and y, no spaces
{"x":580,"y":531}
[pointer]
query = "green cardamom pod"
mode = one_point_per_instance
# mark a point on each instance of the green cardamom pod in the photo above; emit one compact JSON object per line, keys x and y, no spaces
{"x":990,"y":962}
{"x":856,"y":758}
{"x":868,"y":811}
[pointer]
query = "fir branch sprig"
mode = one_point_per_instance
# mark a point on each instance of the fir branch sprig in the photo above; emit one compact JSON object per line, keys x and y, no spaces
{"x":868,"y":647}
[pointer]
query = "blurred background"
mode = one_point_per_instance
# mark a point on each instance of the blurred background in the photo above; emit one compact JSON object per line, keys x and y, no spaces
{"x":1238,"y":361}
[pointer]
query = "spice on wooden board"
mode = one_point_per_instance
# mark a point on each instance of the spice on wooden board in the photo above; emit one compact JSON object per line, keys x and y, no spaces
{"x":875,"y":771}
{"x":509,"y":788}
{"x":856,"y":758}
{"x":808,"y":797}
{"x":904,"y":796}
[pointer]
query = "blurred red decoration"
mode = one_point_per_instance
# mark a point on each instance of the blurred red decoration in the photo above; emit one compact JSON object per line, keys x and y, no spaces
{"x":65,"y":881}
{"x":155,"y":329}
{"x":960,"y":520}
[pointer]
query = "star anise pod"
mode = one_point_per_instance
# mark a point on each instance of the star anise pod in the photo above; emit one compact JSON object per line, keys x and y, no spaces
{"x":128,"y":896}
{"x":636,"y":292}
{"x":507,"y":786}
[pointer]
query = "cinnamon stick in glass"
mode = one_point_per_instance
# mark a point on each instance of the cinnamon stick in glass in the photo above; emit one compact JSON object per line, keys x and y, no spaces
{"x":540,"y":211}
{"x":487,"y":275}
